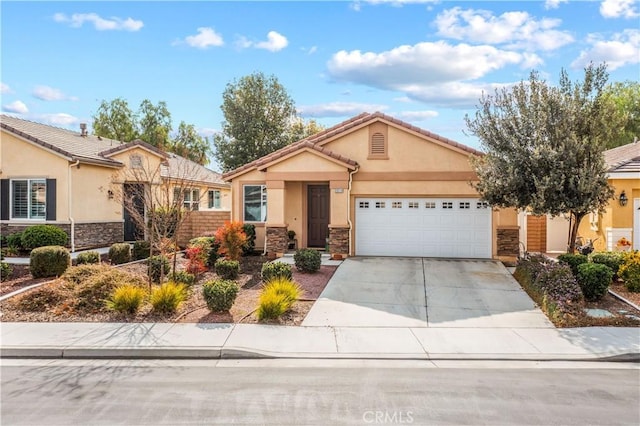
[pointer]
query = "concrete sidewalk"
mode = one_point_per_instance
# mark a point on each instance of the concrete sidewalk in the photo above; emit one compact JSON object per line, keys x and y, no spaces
{"x":168,"y":340}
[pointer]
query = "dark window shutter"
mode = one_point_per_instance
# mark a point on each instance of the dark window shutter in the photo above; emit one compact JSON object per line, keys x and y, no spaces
{"x":4,"y":199}
{"x":51,"y":199}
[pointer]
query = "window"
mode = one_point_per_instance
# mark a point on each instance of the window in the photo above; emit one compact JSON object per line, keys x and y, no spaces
{"x":380,"y":204}
{"x":135,"y":161}
{"x":465,"y":205}
{"x":396,"y":205}
{"x":482,"y":205}
{"x":430,"y":205}
{"x":447,"y":205}
{"x":414,"y":205}
{"x":29,"y":199}
{"x":190,"y":198}
{"x":364,"y":204}
{"x":255,"y":203}
{"x":214,"y":199}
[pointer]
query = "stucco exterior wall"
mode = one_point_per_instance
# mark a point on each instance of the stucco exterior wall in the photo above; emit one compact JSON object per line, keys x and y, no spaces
{"x":89,"y":195}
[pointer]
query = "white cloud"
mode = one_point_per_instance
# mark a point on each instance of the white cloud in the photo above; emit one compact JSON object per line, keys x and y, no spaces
{"x":338,"y":109}
{"x":619,"y":9}
{"x":312,"y":50}
{"x":101,"y":24}
{"x":416,"y":115}
{"x":622,"y":49}
{"x":47,"y":93}
{"x":423,"y":63}
{"x":513,"y":29}
{"x":17,"y":107}
{"x":554,"y":4}
{"x":274,"y":43}
{"x":403,"y":99}
{"x":4,"y":88}
{"x":205,"y":38}
{"x":452,"y":94}
{"x":59,"y":119}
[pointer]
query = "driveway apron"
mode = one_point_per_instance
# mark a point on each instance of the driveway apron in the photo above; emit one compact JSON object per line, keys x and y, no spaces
{"x":415,"y":292}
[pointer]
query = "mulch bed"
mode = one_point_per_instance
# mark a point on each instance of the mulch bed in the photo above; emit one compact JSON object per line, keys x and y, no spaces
{"x":193,"y":310}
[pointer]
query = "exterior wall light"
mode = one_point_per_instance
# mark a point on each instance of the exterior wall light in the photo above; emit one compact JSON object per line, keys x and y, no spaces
{"x":623,"y":199}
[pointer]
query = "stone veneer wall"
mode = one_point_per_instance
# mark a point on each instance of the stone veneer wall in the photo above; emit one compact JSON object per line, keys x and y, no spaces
{"x":339,"y":241}
{"x":200,"y":223}
{"x":277,"y":239}
{"x":508,"y":241}
{"x":87,"y":235}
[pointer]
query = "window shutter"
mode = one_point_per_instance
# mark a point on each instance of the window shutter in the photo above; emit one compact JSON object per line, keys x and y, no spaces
{"x":377,"y":144}
{"x":51,"y":199}
{"x":4,"y":199}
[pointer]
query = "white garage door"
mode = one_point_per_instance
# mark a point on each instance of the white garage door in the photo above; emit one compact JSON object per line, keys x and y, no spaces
{"x":423,"y":227}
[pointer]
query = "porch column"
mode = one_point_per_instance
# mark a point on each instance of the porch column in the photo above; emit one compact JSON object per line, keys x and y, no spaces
{"x":276,"y":228}
{"x":339,"y":219}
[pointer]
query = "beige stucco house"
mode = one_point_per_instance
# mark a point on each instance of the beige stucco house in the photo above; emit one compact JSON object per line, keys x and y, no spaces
{"x":372,"y":185}
{"x":79,"y":182}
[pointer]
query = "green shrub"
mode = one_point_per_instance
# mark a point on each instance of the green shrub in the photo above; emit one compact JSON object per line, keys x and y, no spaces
{"x":220,"y":294}
{"x":96,"y":283}
{"x":594,"y":280}
{"x":612,"y":259}
{"x":272,"y":270}
{"x":49,"y":261}
{"x":307,"y":260}
{"x":126,"y":299}
{"x":15,"y":241}
{"x":209,"y":247}
{"x":158,"y":267}
{"x":183,"y":277}
{"x":250,"y":231}
{"x":630,"y":271}
{"x":141,"y":250}
{"x":277,"y":297}
{"x":168,"y":297}
{"x":5,"y":270}
{"x":120,"y":253}
{"x":573,"y":260}
{"x":88,"y":257}
{"x":43,"y":235}
{"x":227,"y":269}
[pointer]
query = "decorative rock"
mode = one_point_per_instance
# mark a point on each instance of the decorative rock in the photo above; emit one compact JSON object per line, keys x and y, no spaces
{"x":598,"y":313}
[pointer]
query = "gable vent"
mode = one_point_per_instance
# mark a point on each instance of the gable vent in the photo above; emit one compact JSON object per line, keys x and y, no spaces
{"x":377,"y":144}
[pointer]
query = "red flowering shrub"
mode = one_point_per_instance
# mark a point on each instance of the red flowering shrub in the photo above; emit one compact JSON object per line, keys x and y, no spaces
{"x":232,"y":239}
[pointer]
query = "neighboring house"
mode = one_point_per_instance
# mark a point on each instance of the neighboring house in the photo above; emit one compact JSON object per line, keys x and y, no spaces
{"x":372,"y":185}
{"x":78,"y":182}
{"x":622,"y":216}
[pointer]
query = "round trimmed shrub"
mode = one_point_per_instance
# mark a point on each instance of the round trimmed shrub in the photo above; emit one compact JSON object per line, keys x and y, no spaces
{"x":594,"y":280}
{"x":43,"y":235}
{"x":220,"y":294}
{"x":272,"y":270}
{"x":227,"y":269}
{"x":141,"y":250}
{"x":15,"y":241}
{"x":183,"y":277}
{"x":573,"y":260}
{"x":88,"y":258}
{"x":307,"y":260}
{"x":49,"y":261}
{"x":120,"y":253}
{"x":612,"y":259}
{"x":157,"y":266}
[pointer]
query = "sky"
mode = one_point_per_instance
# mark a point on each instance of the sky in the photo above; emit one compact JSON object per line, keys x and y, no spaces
{"x":422,"y":61}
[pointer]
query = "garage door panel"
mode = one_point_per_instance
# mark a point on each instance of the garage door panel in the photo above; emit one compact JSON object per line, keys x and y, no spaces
{"x":424,"y":227}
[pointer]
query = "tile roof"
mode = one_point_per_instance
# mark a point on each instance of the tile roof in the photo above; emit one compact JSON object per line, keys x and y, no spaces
{"x":316,"y":141}
{"x":625,"y":158}
{"x":94,"y":149}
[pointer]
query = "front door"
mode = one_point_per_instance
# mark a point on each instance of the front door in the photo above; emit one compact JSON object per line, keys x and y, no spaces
{"x":133,"y":205}
{"x":318,"y":215}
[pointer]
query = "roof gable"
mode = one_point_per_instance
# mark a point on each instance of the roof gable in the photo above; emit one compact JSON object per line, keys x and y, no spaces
{"x":313,"y":150}
{"x":623,"y":159}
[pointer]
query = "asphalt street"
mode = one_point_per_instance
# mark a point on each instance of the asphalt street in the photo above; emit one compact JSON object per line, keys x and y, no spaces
{"x":323,"y":392}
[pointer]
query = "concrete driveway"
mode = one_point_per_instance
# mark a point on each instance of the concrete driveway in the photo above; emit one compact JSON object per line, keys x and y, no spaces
{"x":415,"y":292}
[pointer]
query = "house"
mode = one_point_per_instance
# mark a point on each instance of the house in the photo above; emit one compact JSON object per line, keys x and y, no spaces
{"x":79,"y":182}
{"x":621,"y":218}
{"x":372,"y":185}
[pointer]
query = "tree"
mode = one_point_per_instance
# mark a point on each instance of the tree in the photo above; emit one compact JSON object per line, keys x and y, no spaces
{"x":154,"y":123}
{"x":300,"y":129}
{"x":626,"y":98}
{"x":544,"y":146}
{"x":189,"y":144}
{"x":115,"y":120}
{"x":258,"y":112}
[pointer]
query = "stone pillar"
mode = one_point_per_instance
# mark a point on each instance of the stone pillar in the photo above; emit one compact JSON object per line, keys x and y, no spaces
{"x":508,"y":241}
{"x":339,"y":241}
{"x":277,"y":240}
